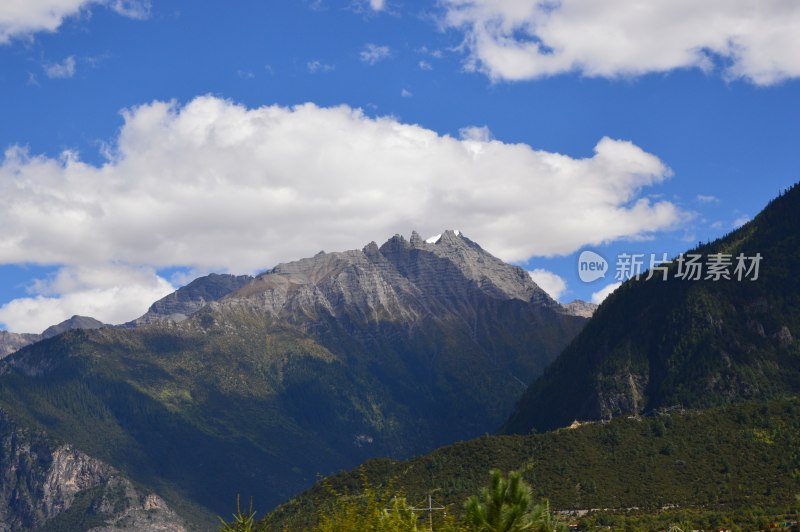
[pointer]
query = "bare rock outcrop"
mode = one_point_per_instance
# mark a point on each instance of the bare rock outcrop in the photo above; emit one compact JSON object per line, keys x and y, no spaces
{"x":187,"y":300}
{"x":41,"y":482}
{"x":580,"y":308}
{"x":400,"y":281}
{"x":11,"y":342}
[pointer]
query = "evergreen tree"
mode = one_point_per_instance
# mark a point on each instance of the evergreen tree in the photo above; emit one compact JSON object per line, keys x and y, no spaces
{"x":506,"y":505}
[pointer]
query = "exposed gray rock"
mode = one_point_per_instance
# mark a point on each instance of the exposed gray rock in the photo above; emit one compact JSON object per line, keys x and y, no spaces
{"x":401,"y":281}
{"x":187,"y":300}
{"x":580,"y":308}
{"x":624,"y":393}
{"x":40,"y":482}
{"x":142,"y":513}
{"x":11,"y":342}
{"x":435,"y":326}
{"x":493,"y":276}
{"x":70,"y":471}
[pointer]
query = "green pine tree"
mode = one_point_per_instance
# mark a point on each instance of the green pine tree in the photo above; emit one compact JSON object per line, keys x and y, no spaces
{"x":243,"y":521}
{"x":506,"y":505}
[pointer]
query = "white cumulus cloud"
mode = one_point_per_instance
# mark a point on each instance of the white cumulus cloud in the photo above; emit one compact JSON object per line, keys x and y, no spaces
{"x":24,"y":17}
{"x":553,"y":284}
{"x":213,"y":185}
{"x":216,"y":184}
{"x":109,"y":293}
{"x":599,"y":296}
{"x":525,"y":39}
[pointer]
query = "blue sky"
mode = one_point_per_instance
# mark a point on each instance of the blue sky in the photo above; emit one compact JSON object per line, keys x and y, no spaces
{"x":148,"y":142}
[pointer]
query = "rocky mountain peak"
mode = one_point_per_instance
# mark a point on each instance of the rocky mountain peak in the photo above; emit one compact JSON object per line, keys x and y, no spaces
{"x":13,"y":342}
{"x":75,"y":322}
{"x":398,"y":281}
{"x":580,"y":308}
{"x":490,"y":274}
{"x":314,"y":365}
{"x":188,"y":299}
{"x":452,"y":237}
{"x":371,"y":249}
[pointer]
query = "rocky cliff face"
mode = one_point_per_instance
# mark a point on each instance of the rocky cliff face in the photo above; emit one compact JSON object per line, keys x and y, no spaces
{"x":439,"y":325}
{"x":187,"y":300}
{"x":50,"y":486}
{"x":402,"y":281}
{"x":579,"y":308}
{"x":11,"y":342}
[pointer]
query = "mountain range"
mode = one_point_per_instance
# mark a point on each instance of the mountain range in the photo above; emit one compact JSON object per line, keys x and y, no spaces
{"x":257,"y":385}
{"x":177,"y":306}
{"x":678,"y":401}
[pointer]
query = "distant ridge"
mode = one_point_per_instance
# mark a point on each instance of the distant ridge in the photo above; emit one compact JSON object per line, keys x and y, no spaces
{"x":188,"y":299}
{"x":11,"y":342}
{"x":75,"y":322}
{"x":579,"y":308}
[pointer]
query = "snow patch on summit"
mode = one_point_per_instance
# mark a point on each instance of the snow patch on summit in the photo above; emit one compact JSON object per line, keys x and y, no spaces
{"x":436,"y":238}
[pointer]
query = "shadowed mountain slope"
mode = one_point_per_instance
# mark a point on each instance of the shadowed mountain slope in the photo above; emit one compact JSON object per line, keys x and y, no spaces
{"x":659,"y":344}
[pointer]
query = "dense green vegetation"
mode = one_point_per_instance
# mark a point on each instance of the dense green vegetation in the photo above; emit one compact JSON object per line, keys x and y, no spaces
{"x":170,"y":410}
{"x":505,"y":505}
{"x":733,"y":464}
{"x":741,"y":519}
{"x":682,"y":343}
